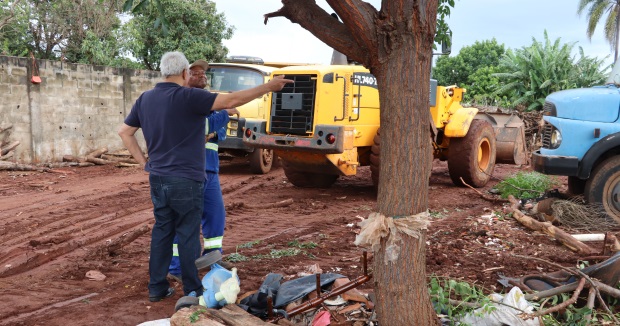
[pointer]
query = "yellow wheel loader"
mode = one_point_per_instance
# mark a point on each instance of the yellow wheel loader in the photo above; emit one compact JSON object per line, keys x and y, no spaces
{"x":326,"y":124}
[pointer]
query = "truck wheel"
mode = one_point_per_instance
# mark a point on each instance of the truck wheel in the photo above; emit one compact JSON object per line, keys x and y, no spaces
{"x":473,"y":156}
{"x":576,"y":186}
{"x":375,"y":159}
{"x":304,"y":179}
{"x":261,"y":160}
{"x":604,"y":186}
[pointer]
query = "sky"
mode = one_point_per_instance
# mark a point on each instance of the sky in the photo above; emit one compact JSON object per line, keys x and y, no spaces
{"x":513,"y":23}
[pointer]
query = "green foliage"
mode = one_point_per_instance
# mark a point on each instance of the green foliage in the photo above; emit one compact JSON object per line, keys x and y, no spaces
{"x":531,"y":73}
{"x":596,"y":11}
{"x":472,"y":68}
{"x":196,"y":315}
{"x":14,"y":38}
{"x":195,"y":28}
{"x":302,"y":245}
{"x":443,"y":290}
{"x":526,"y":185}
{"x":248,"y":244}
{"x":442,"y":32}
{"x":277,"y":254}
{"x":236,"y":257}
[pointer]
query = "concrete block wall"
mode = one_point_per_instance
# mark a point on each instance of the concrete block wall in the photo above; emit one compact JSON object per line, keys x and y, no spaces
{"x":74,"y":110}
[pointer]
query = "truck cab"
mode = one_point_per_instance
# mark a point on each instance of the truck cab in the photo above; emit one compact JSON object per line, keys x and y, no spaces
{"x":581,"y":140}
{"x":231,"y":77}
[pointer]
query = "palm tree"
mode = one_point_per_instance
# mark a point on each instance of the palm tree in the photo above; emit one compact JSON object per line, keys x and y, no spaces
{"x":598,"y":8}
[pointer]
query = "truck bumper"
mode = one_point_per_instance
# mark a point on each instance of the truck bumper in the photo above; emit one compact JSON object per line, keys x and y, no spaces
{"x":555,"y":165}
{"x":235,"y":143}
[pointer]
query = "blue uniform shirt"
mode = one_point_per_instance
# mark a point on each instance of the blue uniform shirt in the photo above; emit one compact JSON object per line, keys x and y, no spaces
{"x":217,"y":122}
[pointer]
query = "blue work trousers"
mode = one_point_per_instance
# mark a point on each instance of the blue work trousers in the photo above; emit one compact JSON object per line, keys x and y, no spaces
{"x":177,"y":206}
{"x":213,"y":220}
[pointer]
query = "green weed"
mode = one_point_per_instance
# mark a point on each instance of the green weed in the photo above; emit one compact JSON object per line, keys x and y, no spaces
{"x":248,"y":244}
{"x":526,"y":185}
{"x":236,"y":257}
{"x":302,"y":245}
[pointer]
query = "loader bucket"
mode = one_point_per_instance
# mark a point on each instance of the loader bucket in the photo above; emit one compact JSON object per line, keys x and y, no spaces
{"x":510,"y":137}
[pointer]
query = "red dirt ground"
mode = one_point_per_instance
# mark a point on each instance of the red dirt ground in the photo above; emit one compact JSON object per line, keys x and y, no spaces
{"x":55,"y":227}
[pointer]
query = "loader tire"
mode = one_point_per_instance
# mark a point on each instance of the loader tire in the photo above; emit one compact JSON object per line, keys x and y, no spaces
{"x":473,"y":157}
{"x":261,"y":160}
{"x":603,"y":187}
{"x":304,"y":179}
{"x":375,"y":159}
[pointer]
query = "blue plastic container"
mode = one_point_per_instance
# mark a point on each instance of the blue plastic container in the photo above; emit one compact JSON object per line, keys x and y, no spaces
{"x":212,"y":283}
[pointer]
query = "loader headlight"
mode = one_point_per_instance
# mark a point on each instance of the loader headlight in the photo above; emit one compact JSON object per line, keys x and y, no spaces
{"x":234,"y":124}
{"x":556,"y":139}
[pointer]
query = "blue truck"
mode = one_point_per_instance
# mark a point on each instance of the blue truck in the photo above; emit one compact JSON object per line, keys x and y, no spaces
{"x":581,"y":140}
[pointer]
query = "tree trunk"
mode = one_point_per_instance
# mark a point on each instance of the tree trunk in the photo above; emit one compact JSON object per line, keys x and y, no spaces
{"x":406,"y":159}
{"x":395,"y":43}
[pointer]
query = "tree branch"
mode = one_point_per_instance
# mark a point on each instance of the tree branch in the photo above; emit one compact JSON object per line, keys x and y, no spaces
{"x":7,"y":19}
{"x":317,"y":21}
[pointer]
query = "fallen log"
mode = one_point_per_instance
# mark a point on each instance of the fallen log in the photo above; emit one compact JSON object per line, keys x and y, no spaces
{"x":71,"y":158}
{"x":282,"y":203}
{"x":112,"y":247}
{"x":3,"y":129}
{"x":115,"y":158}
{"x":549,"y":229}
{"x":10,"y":166}
{"x":98,"y":161}
{"x":9,"y":147}
{"x":7,"y":156}
{"x":98,"y":152}
{"x":126,"y":165}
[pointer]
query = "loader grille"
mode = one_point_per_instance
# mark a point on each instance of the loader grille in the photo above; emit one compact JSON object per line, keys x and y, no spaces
{"x":293,"y":107}
{"x":546,"y":135}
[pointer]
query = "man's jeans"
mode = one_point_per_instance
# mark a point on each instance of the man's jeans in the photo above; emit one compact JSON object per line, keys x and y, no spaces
{"x":213,"y":220}
{"x":177,"y":206}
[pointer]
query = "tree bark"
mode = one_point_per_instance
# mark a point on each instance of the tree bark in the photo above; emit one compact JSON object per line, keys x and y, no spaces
{"x":396,"y":45}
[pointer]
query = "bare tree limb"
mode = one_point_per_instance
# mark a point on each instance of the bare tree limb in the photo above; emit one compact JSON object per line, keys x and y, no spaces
{"x":321,"y":24}
{"x":549,"y":229}
{"x":562,"y":305}
{"x":483,"y":196}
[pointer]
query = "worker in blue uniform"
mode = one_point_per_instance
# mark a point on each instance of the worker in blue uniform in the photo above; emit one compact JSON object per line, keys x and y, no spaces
{"x":214,"y":213}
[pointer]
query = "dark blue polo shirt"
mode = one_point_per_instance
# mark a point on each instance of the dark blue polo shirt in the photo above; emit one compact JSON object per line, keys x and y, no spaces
{"x":172,"y":119}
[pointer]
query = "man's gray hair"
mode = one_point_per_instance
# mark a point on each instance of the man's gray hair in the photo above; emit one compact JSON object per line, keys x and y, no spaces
{"x":173,"y":64}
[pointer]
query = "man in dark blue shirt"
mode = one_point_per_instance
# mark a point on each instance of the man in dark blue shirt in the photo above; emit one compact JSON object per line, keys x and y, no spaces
{"x":172,"y":118}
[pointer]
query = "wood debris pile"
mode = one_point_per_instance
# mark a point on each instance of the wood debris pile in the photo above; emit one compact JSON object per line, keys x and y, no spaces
{"x":101,"y":156}
{"x":7,"y":147}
